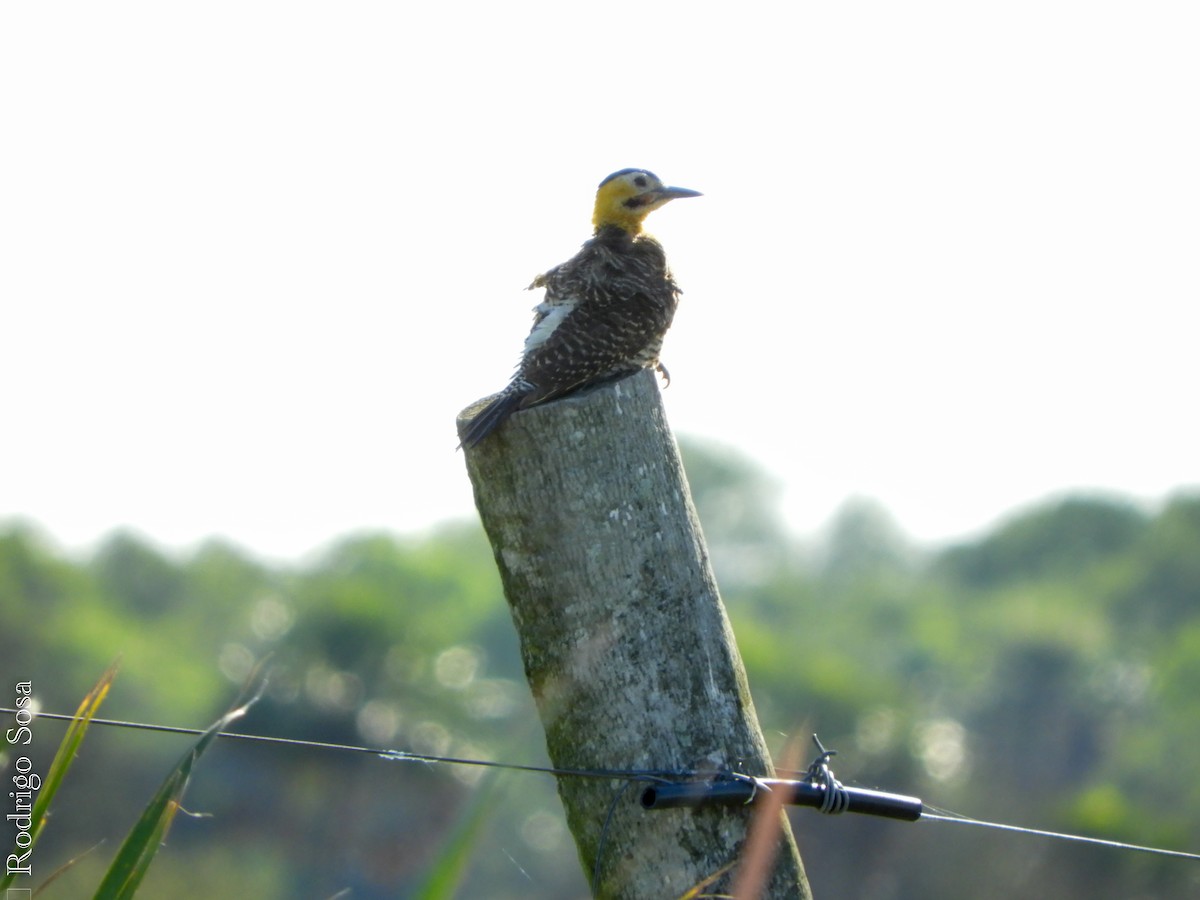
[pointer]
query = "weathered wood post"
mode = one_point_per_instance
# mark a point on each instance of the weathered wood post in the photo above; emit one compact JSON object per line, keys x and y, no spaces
{"x":625,"y":641}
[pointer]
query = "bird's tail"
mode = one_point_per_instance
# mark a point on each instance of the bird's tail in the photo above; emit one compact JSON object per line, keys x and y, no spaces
{"x":491,"y":416}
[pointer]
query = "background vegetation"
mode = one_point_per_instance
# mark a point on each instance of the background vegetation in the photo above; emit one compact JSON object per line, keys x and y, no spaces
{"x":1045,"y":674}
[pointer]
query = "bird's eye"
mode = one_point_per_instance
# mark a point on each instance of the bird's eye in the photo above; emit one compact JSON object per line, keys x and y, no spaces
{"x":640,"y":181}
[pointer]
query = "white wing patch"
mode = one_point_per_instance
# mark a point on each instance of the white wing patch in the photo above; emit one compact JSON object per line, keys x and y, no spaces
{"x":551,"y":318}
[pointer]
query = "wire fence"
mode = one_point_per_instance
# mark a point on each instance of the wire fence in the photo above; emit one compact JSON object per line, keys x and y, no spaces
{"x":816,"y":786}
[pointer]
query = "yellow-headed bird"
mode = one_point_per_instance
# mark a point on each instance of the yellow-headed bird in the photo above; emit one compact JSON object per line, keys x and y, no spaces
{"x":605,"y":310}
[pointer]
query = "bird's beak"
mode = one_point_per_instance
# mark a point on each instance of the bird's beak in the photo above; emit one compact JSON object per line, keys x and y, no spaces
{"x":671,"y":193}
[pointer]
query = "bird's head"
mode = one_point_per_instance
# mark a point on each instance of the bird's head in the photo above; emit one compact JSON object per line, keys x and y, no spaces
{"x":626,"y":197}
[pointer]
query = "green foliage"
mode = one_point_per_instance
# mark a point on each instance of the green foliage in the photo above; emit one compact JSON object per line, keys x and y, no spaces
{"x":1163,"y":577}
{"x":865,"y":541}
{"x":1054,"y":541}
{"x":1043,"y":674}
{"x":133,"y":859}
{"x":133,"y":575}
{"x":61,"y":764}
{"x":132,"y":862}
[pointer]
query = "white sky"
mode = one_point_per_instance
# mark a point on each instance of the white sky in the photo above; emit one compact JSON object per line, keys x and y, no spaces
{"x":255,"y":256}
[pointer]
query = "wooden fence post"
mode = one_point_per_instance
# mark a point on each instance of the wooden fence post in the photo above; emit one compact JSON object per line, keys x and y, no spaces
{"x":624,"y":638}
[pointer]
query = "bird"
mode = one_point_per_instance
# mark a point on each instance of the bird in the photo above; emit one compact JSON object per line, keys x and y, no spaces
{"x":605,"y":310}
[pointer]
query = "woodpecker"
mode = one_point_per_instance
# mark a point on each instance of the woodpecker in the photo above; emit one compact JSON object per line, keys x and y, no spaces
{"x":605,"y":310}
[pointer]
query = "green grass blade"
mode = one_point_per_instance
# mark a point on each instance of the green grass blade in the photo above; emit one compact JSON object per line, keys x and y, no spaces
{"x":452,"y":863}
{"x":63,"y":758}
{"x":133,"y":860}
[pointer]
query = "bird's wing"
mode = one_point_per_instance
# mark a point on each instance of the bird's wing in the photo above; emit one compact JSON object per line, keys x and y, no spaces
{"x":598,"y":337}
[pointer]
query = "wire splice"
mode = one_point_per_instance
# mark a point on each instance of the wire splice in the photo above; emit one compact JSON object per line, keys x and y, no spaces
{"x":725,"y":791}
{"x":818,"y":789}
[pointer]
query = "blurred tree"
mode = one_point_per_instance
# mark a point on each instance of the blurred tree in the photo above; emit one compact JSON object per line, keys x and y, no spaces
{"x":738,"y":506}
{"x":1039,"y":725}
{"x":738,"y":499}
{"x":219,"y":573}
{"x":1055,"y":540}
{"x":1164,"y":577}
{"x":32,"y":577}
{"x":137,"y":577}
{"x":864,"y":541}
